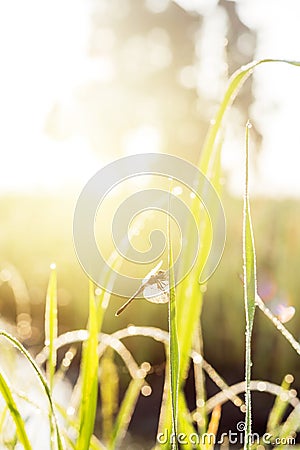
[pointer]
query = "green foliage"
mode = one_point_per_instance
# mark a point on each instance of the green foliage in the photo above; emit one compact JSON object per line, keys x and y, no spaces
{"x":89,"y":378}
{"x":249,"y":293}
{"x":174,"y":347}
{"x":16,"y":415}
{"x":182,"y":343}
{"x":51,"y":324}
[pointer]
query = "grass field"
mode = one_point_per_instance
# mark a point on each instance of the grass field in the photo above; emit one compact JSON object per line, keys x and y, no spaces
{"x":84,"y":388}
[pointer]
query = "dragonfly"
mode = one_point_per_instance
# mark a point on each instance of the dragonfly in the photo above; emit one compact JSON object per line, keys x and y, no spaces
{"x":155,"y":288}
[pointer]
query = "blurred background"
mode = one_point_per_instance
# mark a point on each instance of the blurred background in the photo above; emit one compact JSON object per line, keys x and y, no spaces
{"x":85,"y":82}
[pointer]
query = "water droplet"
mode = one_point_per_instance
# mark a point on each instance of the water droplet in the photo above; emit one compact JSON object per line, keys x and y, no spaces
{"x":70,"y":411}
{"x":146,"y":391}
{"x":177,"y":190}
{"x":198,"y":359}
{"x":141,"y":373}
{"x":5,"y":275}
{"x":146,"y":366}
{"x":200,"y":403}
{"x":261,"y":386}
{"x":289,"y":378}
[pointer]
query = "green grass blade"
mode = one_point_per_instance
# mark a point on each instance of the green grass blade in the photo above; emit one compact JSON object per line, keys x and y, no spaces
{"x":185,"y":425}
{"x":189,"y":297}
{"x":280,"y":405}
{"x":126,"y":411}
{"x":95,"y":444}
{"x":189,"y":294}
{"x":20,"y":426}
{"x":235,"y":83}
{"x":3,"y":418}
{"x":174,"y":347}
{"x":42,"y":379}
{"x":249,"y":294}
{"x":89,"y":377}
{"x":289,"y":427}
{"x":109,"y":390}
{"x":200,"y":384}
{"x":51,"y":324}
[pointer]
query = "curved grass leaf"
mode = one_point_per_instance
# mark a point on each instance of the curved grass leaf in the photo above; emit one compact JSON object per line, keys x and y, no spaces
{"x":51,"y":324}
{"x":278,"y":410}
{"x":234,"y":85}
{"x":109,"y":390}
{"x":20,"y":426}
{"x":189,"y":297}
{"x":126,"y":411}
{"x":249,"y":293}
{"x":42,"y":379}
{"x":89,"y":377}
{"x":174,"y":347}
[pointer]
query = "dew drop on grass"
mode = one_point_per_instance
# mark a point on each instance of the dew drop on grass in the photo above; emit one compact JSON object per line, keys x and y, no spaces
{"x":289,"y":378}
{"x":146,"y":366}
{"x":243,"y":408}
{"x":284,"y":396}
{"x":197,"y":417}
{"x":5,"y":275}
{"x":141,"y":373}
{"x":70,"y":411}
{"x":293,"y":393}
{"x":98,"y":291}
{"x":131,"y":329}
{"x":146,"y":391}
{"x":177,"y":190}
{"x":197,"y":359}
{"x":200,"y":403}
{"x":261,"y":386}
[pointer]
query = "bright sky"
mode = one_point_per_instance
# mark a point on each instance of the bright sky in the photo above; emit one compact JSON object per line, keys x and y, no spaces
{"x":41,"y":63}
{"x":277,"y":92}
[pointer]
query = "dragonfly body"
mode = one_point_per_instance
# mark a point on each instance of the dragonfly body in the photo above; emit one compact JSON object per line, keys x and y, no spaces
{"x":155,"y":288}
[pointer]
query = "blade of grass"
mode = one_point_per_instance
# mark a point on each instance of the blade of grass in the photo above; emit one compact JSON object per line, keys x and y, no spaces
{"x":109,"y":390}
{"x":89,"y":377}
{"x":95,"y":444}
{"x":279,"y":407}
{"x":188,"y":291}
{"x":3,"y":418}
{"x":126,"y":411}
{"x":42,"y":379}
{"x":14,"y":411}
{"x":189,"y":296}
{"x":215,"y":177}
{"x":249,"y":293}
{"x":213,"y":426}
{"x":185,"y":425}
{"x":234,"y":85}
{"x":290,"y":426}
{"x":51,"y":324}
{"x":201,"y":416}
{"x":174,"y":347}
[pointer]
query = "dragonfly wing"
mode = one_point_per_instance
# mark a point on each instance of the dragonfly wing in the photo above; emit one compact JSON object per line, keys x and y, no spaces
{"x":152,"y":272}
{"x":154,"y":294}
